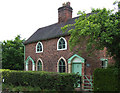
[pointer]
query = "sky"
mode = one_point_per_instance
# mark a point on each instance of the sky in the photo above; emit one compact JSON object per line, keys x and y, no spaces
{"x":24,"y":17}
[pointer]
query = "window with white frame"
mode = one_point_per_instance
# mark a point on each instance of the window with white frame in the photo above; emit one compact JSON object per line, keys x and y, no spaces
{"x":104,"y":63}
{"x":61,"y":44}
{"x":39,"y":47}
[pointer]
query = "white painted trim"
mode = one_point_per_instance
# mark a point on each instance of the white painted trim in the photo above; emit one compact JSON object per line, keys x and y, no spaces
{"x":26,"y":67}
{"x":33,"y":67}
{"x":37,"y":45}
{"x":65,"y":64}
{"x":65,"y":43}
{"x":69,"y":67}
{"x":37,"y":63}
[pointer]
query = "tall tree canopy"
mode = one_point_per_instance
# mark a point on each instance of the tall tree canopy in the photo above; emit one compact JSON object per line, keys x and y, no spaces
{"x":100,"y":29}
{"x":13,"y":54}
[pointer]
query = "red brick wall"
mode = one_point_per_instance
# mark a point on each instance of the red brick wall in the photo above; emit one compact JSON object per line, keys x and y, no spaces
{"x":64,"y":13}
{"x":51,"y":55}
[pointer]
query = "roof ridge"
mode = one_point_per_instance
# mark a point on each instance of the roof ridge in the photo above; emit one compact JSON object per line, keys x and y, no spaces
{"x":47,"y":26}
{"x":50,"y":31}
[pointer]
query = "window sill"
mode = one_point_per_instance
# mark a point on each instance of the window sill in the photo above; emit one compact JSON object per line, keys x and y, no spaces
{"x":62,"y":49}
{"x":40,"y":52}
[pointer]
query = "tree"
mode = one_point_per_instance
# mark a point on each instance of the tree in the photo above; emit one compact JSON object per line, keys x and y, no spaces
{"x":100,"y":29}
{"x":13,"y":54}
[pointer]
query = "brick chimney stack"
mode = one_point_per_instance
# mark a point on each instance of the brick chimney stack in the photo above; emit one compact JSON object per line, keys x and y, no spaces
{"x":64,"y":12}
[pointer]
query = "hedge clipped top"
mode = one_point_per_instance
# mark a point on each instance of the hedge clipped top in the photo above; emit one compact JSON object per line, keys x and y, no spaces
{"x":42,"y":79}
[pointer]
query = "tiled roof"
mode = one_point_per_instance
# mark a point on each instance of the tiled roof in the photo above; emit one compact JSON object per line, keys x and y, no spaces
{"x":49,"y":32}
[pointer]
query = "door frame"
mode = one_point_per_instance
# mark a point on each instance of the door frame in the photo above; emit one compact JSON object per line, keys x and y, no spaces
{"x":70,"y":63}
{"x":33,"y":63}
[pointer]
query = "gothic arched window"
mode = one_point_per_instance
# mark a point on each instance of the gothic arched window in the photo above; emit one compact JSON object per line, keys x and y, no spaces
{"x":61,"y":44}
{"x":39,"y":47}
{"x":62,"y":66}
{"x":39,"y":66}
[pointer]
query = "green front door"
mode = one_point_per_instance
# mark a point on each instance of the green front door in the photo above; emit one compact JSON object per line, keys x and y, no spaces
{"x":77,"y":68}
{"x":76,"y":61}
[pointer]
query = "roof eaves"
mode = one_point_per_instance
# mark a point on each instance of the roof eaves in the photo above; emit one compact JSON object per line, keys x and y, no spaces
{"x":34,"y":41}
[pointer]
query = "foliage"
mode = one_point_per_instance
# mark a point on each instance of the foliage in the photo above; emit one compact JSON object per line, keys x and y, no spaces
{"x":99,"y":29}
{"x":0,"y":55}
{"x":106,"y":79}
{"x":13,"y":54}
{"x":28,"y":89}
{"x":7,"y":88}
{"x":117,"y":2}
{"x":41,"y":79}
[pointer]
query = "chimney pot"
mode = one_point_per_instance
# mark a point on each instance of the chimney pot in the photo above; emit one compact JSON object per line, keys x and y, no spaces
{"x":64,"y":12}
{"x":64,"y":4}
{"x":68,"y":4}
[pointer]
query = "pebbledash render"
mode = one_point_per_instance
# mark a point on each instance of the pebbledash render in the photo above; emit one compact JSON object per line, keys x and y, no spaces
{"x":48,"y":49}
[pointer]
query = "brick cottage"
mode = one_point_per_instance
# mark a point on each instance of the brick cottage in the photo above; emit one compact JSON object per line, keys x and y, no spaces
{"x":48,"y":49}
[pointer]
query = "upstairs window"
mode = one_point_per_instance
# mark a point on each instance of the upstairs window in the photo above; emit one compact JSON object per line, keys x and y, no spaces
{"x":61,"y":44}
{"x":39,"y":47}
{"x":39,"y":66}
{"x":62,"y":66}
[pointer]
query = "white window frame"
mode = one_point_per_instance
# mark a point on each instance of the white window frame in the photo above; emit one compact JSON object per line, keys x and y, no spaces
{"x":65,"y":44}
{"x":106,"y":62}
{"x":36,"y":47}
{"x":104,"y":66}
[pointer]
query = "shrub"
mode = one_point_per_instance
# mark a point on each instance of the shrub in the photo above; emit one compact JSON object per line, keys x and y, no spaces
{"x":106,"y":79}
{"x":7,"y":88}
{"x":41,"y":79}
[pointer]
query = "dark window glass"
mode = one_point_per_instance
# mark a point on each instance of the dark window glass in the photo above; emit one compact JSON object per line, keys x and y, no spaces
{"x":61,"y":66}
{"x":39,"y":47}
{"x":104,"y":64}
{"x":39,"y":66}
{"x":61,"y":44}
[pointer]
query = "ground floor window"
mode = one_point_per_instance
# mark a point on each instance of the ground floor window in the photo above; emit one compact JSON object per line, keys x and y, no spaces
{"x":61,"y":66}
{"x":104,"y":63}
{"x":39,"y":66}
{"x":30,"y":66}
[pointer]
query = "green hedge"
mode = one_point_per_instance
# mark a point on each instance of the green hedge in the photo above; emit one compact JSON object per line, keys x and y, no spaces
{"x":44,"y":80}
{"x":106,"y":79}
